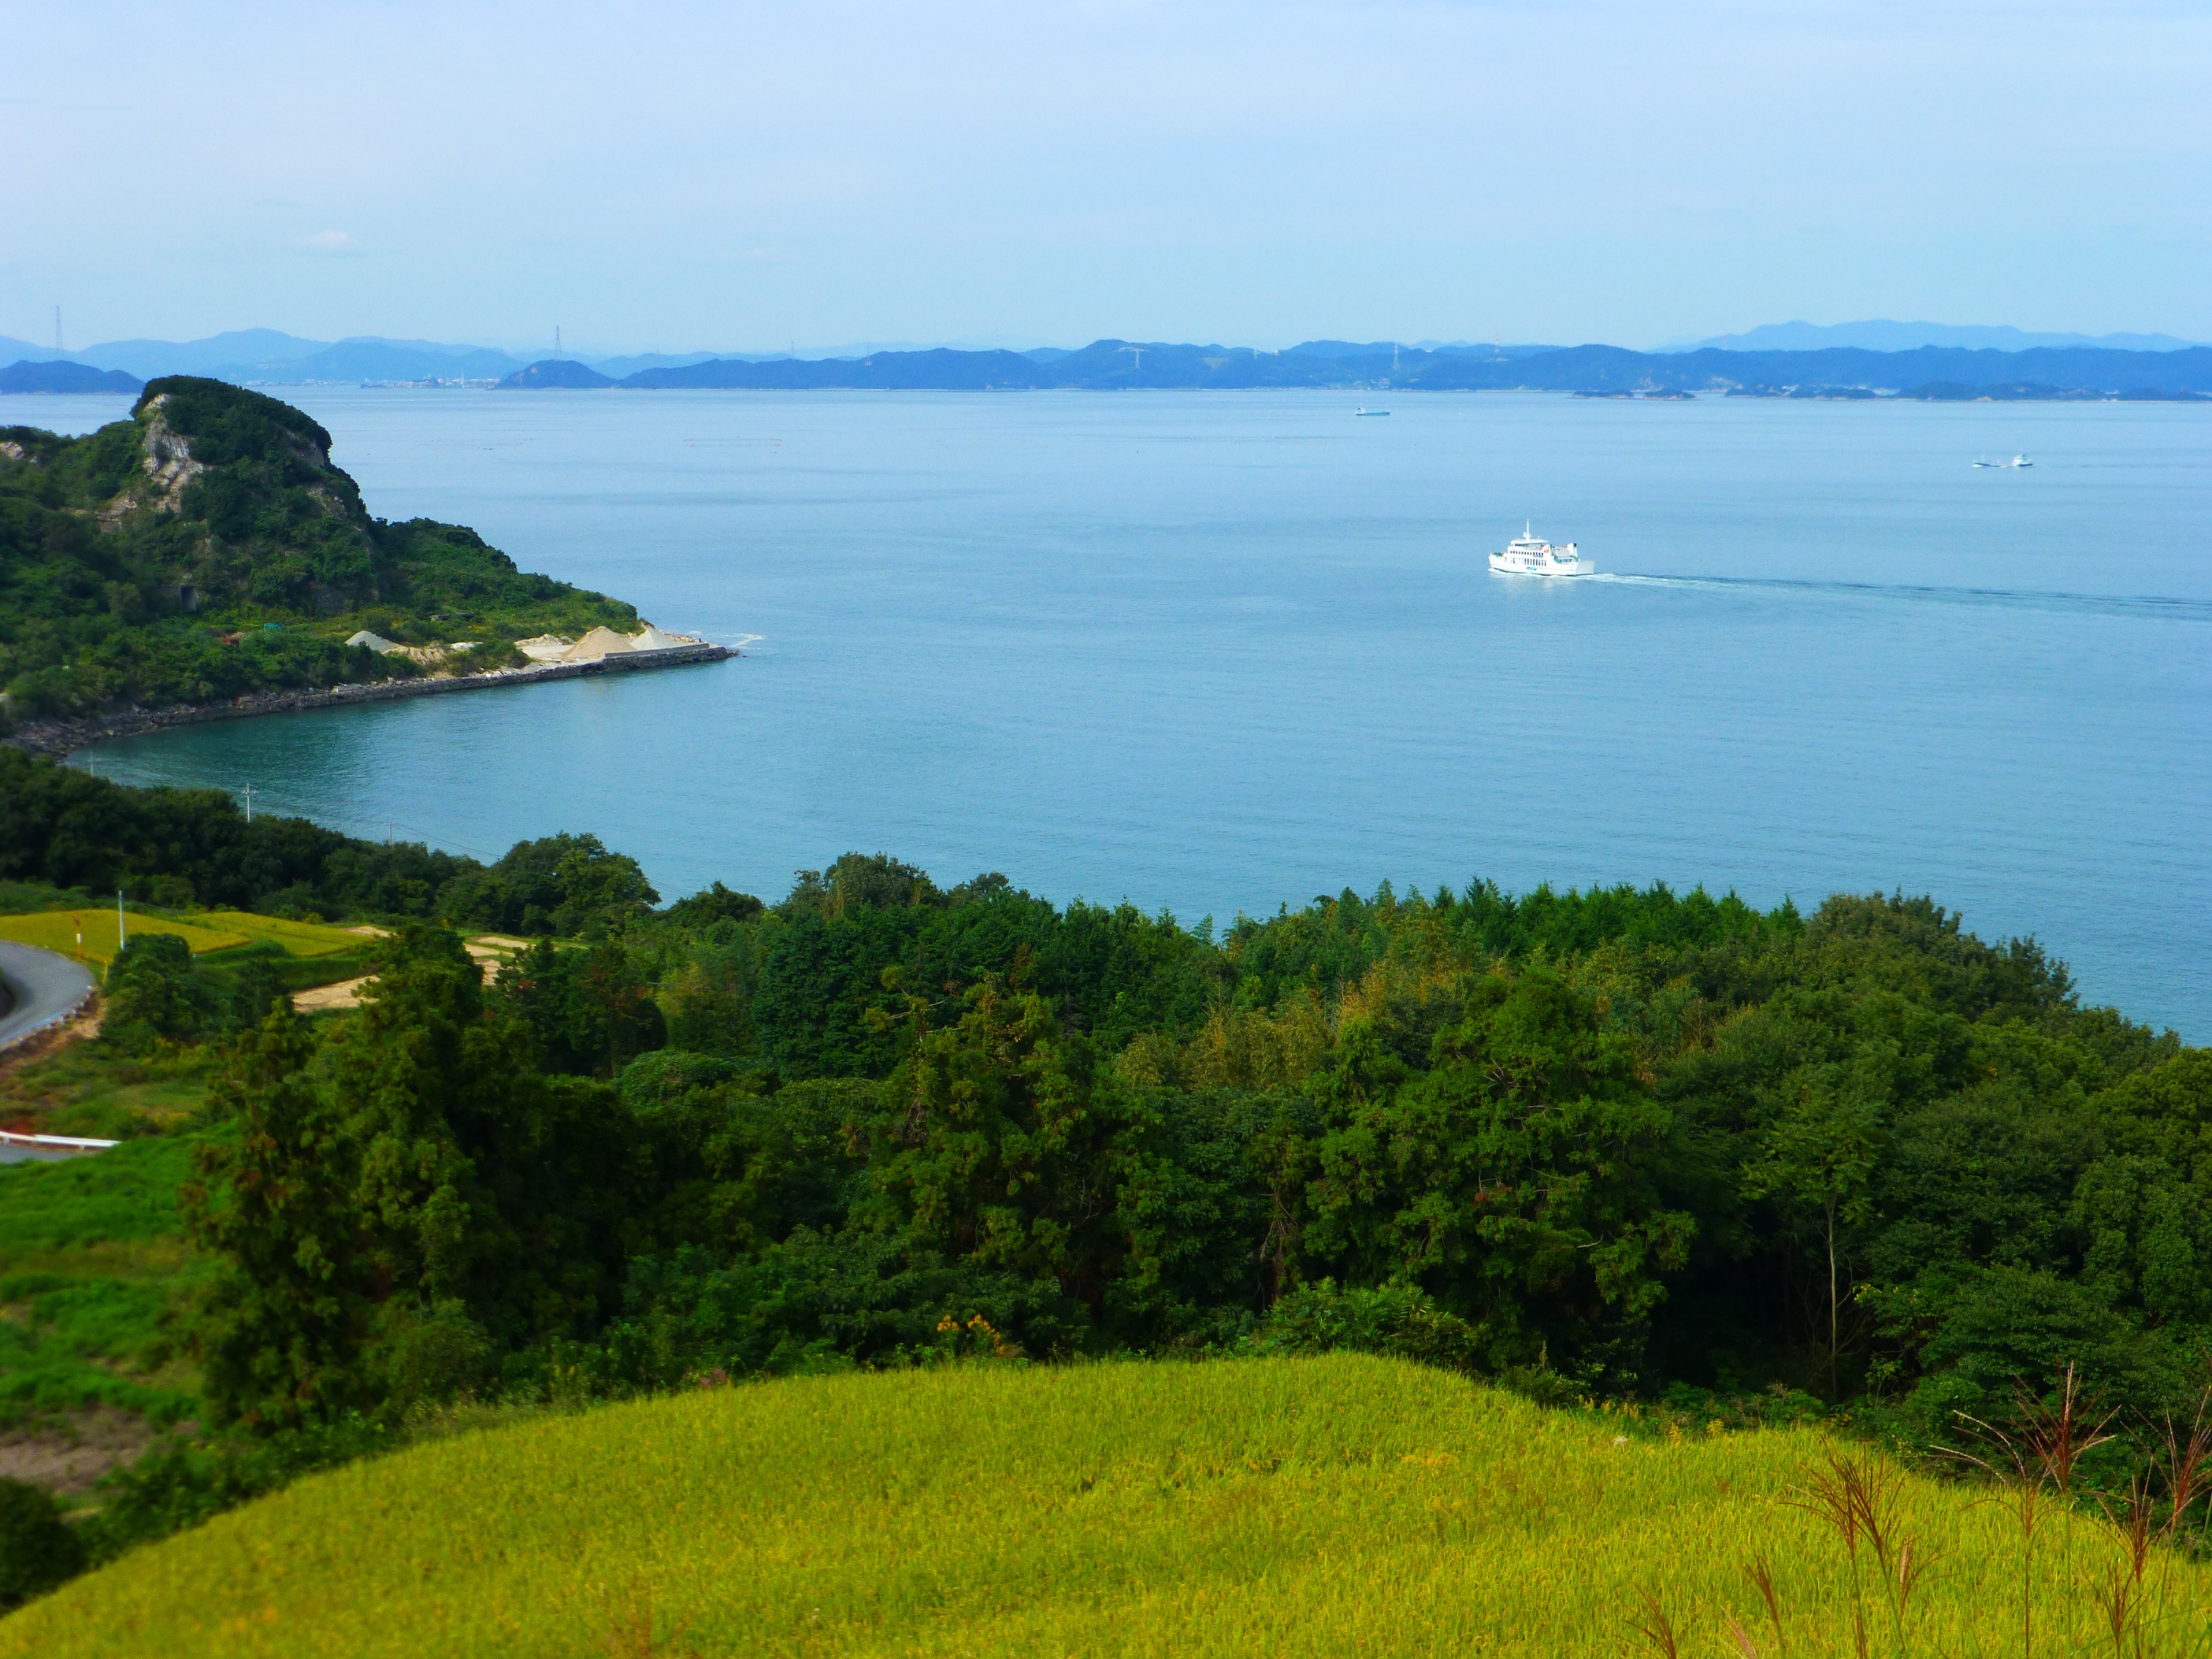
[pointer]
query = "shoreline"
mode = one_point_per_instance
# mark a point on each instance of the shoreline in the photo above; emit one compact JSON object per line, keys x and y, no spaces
{"x":60,"y":737}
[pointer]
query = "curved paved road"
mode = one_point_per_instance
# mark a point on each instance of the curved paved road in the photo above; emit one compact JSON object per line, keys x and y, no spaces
{"x":39,"y":986}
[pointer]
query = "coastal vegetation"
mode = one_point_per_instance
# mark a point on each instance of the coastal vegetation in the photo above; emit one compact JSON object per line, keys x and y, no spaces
{"x":207,"y":547}
{"x":1699,"y":1168}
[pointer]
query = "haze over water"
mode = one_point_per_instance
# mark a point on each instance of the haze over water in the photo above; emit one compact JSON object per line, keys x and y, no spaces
{"x":1218,"y":652}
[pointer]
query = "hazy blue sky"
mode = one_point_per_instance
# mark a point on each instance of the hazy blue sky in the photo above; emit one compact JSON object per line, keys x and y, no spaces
{"x":741,"y":176}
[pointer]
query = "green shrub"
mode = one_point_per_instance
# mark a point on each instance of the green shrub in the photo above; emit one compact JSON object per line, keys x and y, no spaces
{"x":37,"y":1551}
{"x":1396,"y":1320}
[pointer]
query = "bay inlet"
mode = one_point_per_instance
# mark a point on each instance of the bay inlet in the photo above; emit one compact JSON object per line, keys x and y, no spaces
{"x":1218,"y":652}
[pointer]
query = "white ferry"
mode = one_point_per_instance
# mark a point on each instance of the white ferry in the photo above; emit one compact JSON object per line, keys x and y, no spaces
{"x":2017,"y":461}
{"x":1528,"y":555}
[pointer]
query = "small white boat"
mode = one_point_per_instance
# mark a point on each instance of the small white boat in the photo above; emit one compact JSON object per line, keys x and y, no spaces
{"x":2017,"y":461}
{"x":1529,"y":555}
{"x":1364,"y":413}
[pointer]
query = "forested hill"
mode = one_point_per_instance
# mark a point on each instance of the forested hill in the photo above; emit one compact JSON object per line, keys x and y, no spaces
{"x":1615,"y":1141}
{"x":207,"y":546}
{"x":1107,"y":365}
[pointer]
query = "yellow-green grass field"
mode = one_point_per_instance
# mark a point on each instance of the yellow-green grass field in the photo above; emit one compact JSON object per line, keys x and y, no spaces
{"x":56,"y":930}
{"x":1336,"y":1505}
{"x":299,"y":938}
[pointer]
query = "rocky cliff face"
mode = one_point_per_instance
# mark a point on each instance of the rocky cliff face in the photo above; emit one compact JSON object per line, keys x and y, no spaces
{"x":168,"y":466}
{"x":238,"y":492}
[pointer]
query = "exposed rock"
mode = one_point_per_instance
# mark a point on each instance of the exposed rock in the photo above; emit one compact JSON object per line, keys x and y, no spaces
{"x":168,"y":459}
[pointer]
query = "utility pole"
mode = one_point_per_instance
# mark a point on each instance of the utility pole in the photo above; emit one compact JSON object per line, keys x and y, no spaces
{"x":122,"y":934}
{"x":556,"y":343}
{"x":249,"y":792}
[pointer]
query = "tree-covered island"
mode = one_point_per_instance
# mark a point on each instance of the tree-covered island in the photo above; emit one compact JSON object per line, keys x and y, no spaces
{"x":207,"y":547}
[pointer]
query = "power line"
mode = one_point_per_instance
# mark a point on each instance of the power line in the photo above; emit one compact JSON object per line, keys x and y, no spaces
{"x":438,"y":841}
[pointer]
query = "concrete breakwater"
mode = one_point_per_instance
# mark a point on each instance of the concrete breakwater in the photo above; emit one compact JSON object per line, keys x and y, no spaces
{"x":60,"y":737}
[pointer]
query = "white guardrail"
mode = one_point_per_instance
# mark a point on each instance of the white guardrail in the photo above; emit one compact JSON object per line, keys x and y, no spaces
{"x":55,"y":1146}
{"x":46,"y":1147}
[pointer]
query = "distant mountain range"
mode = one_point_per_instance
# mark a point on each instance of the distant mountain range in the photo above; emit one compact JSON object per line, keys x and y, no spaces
{"x":1881,"y":336}
{"x":262,"y":356}
{"x":1934,"y":371}
{"x":1742,"y":366}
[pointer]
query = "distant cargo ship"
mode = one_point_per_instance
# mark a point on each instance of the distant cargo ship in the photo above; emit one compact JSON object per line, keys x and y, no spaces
{"x":2017,"y":461}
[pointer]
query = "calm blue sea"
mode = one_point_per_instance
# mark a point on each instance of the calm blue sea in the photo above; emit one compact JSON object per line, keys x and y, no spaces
{"x":1216,"y":652}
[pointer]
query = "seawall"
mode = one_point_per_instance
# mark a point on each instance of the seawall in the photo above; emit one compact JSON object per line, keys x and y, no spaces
{"x":60,"y":737}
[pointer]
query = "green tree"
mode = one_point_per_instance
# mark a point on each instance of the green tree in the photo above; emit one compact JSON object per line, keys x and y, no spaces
{"x":564,"y":885}
{"x":1519,"y":1181}
{"x":1818,"y":1159}
{"x":493,"y":1190}
{"x":281,"y":1329}
{"x":592,"y":1010}
{"x":998,"y":1144}
{"x":153,"y":993}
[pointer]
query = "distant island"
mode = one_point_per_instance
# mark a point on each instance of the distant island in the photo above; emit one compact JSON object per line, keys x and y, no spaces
{"x":1918,"y":360}
{"x":59,"y":374}
{"x":1928,"y":373}
{"x":558,"y":374}
{"x":206,"y":551}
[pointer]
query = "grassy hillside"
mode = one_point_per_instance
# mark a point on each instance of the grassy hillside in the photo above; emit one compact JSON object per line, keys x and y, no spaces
{"x":93,"y":1265}
{"x":207,"y":547}
{"x":1317,"y":1506}
{"x":91,"y":1261}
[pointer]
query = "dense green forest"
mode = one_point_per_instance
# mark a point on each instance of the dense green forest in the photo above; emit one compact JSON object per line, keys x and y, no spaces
{"x":207,"y":547}
{"x":1620,"y":1143}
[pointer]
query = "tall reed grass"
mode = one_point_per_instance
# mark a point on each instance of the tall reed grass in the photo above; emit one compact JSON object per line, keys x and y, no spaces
{"x":1341,"y":1505}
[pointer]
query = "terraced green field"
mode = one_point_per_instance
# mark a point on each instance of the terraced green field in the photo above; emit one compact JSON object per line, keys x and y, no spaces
{"x":1325,"y":1506}
{"x":298,"y":938}
{"x":206,"y":933}
{"x":59,"y":930}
